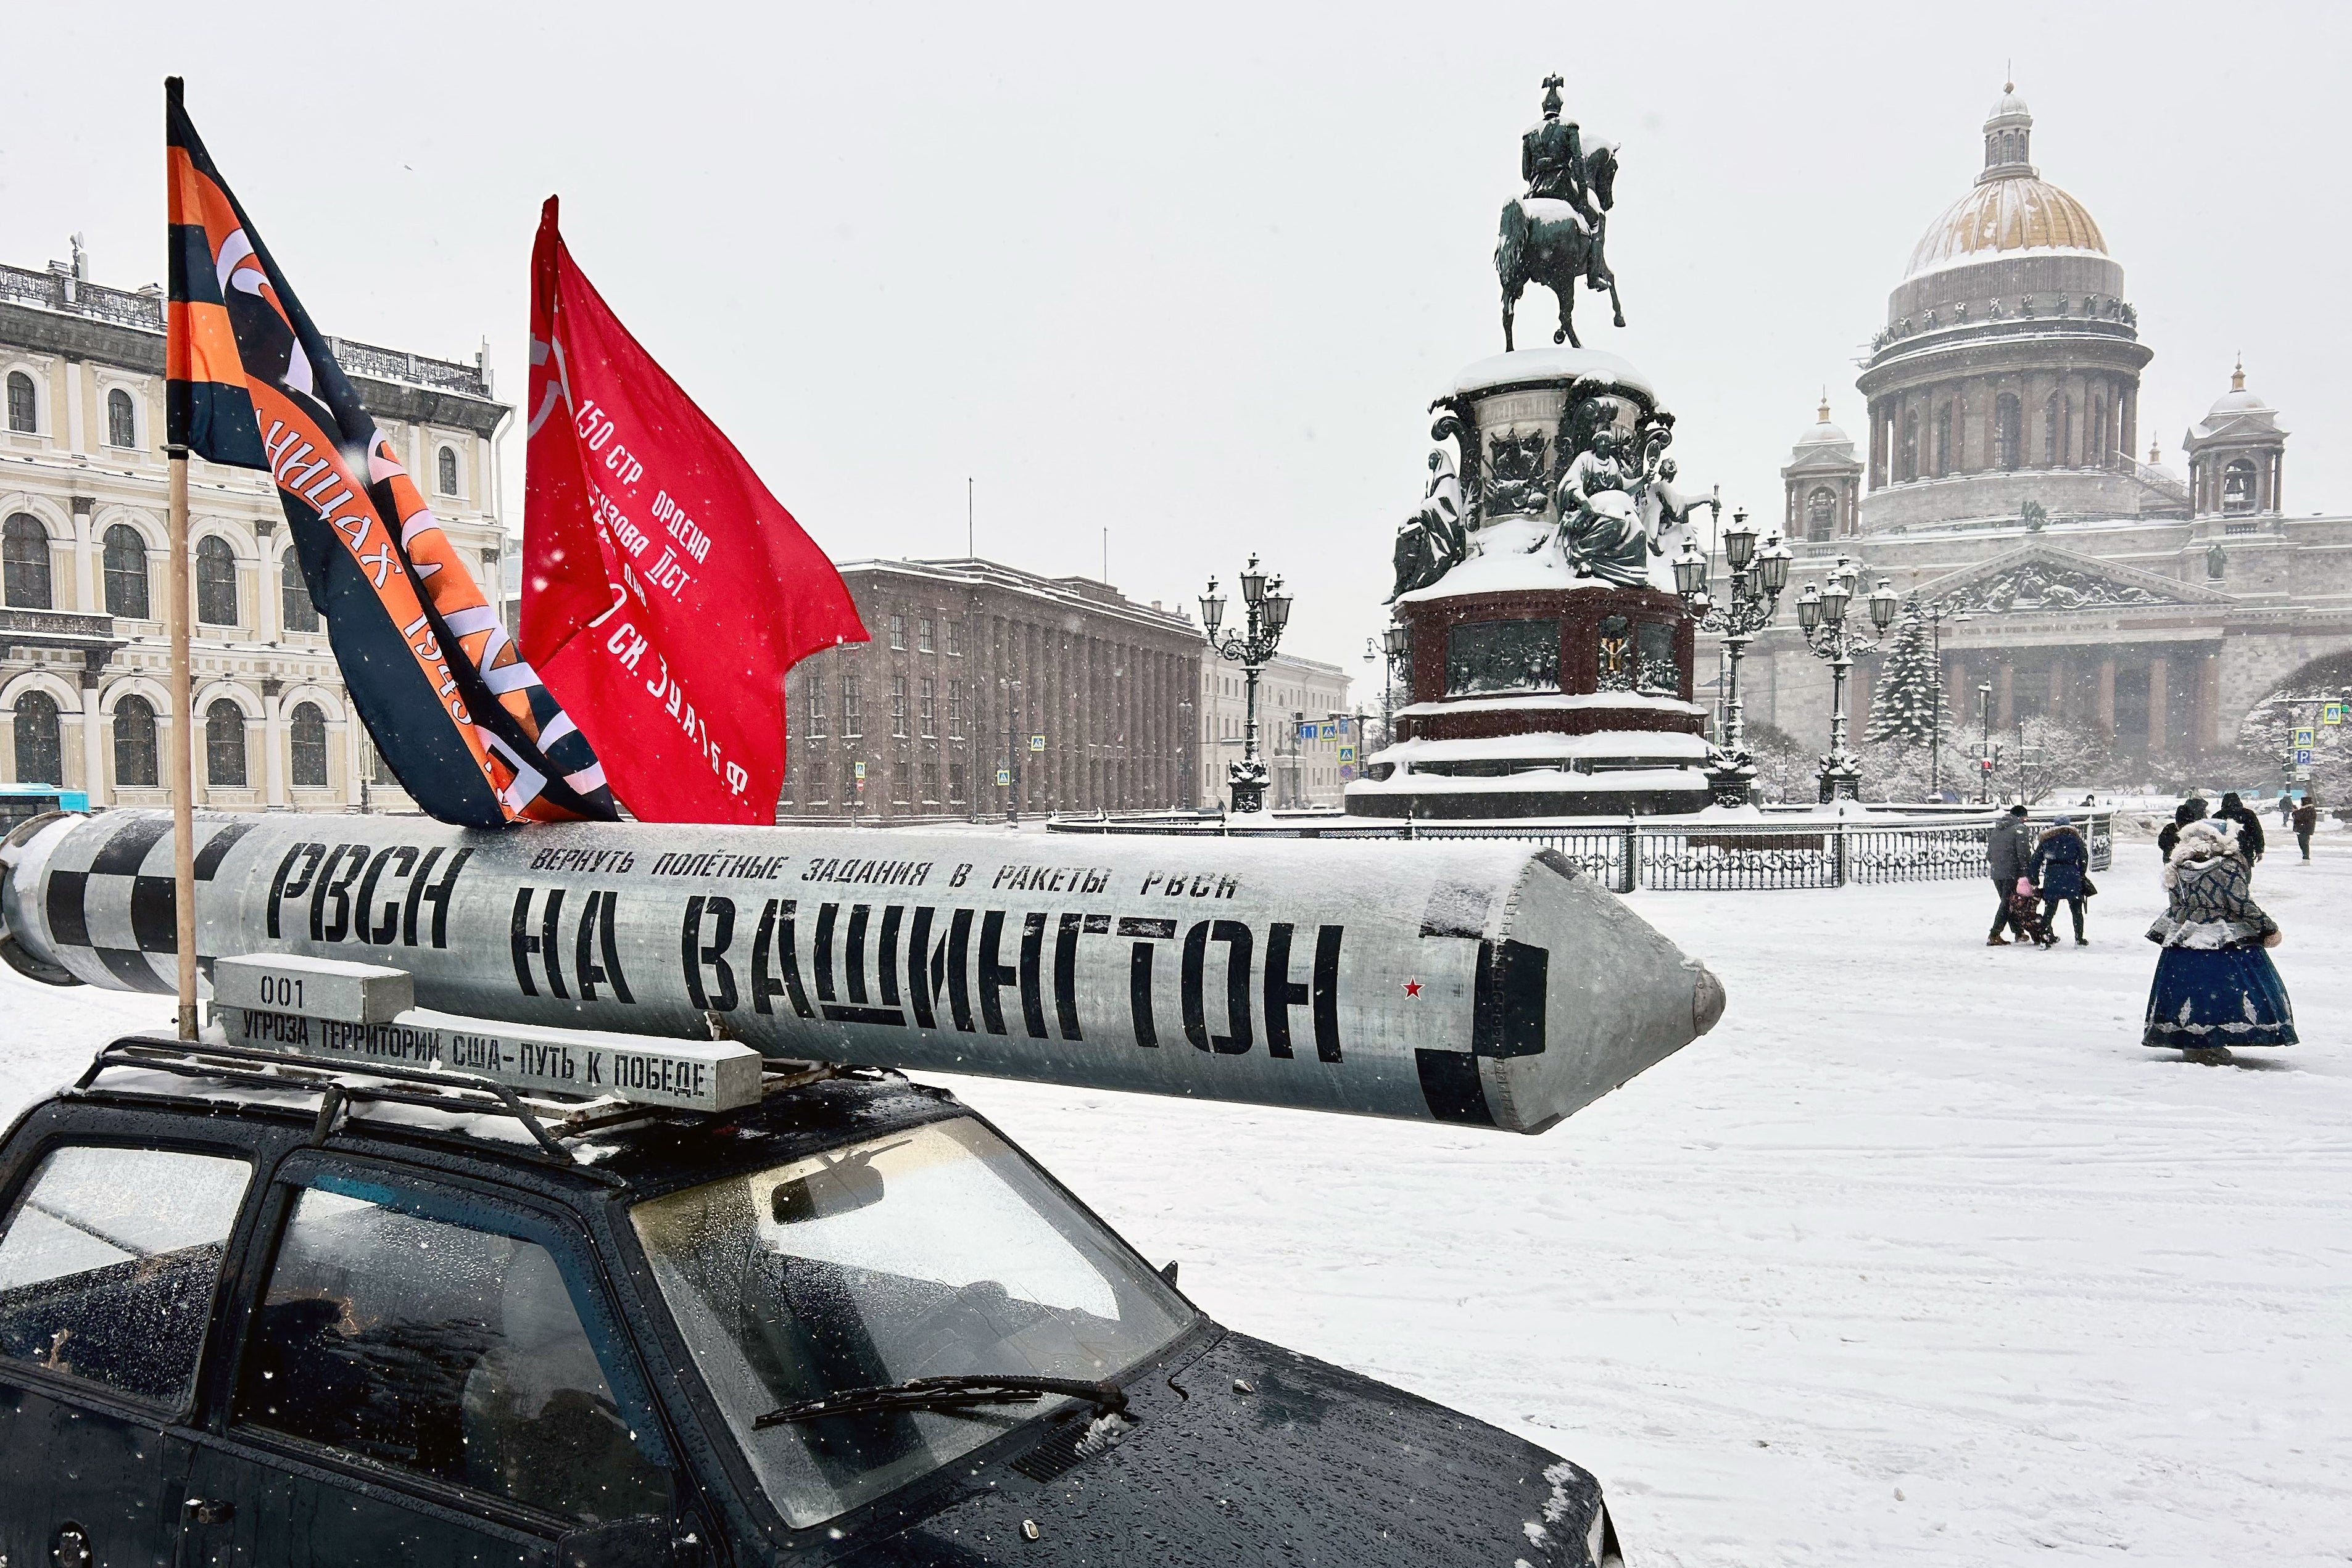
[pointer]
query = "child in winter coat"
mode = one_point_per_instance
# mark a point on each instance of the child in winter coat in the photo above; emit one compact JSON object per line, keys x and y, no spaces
{"x":2215,"y":986}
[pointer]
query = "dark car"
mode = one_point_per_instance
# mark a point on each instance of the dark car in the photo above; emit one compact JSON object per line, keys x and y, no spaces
{"x":259,"y":1312}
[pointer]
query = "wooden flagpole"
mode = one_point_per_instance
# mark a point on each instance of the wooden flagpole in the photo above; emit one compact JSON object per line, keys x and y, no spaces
{"x":184,"y":848}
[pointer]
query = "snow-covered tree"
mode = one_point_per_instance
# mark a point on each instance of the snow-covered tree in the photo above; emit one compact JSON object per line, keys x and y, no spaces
{"x":1908,"y":705}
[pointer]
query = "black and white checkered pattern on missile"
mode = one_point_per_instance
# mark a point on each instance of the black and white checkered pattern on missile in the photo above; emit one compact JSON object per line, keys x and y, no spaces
{"x":106,"y":896}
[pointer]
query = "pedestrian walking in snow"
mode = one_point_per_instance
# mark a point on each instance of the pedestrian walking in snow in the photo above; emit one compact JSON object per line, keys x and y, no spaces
{"x":2061,"y":870}
{"x":2249,"y":827}
{"x":2192,"y":809}
{"x":2287,"y":811}
{"x":2006,"y":852}
{"x":2306,"y":822}
{"x":2215,"y":986}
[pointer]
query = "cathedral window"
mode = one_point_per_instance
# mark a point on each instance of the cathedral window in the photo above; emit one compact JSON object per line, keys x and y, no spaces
{"x":125,"y":560}
{"x":23,"y":411}
{"x":40,"y":756}
{"x":225,"y":744}
{"x":2098,"y":432}
{"x":2006,"y":418}
{"x":134,"y":744}
{"x":1909,"y":463}
{"x":1821,"y":514}
{"x":216,"y":584}
{"x":294,"y":606}
{"x":307,"y":741}
{"x":24,"y":560}
{"x":2238,"y":494}
{"x":121,"y":422}
{"x":1943,"y":440}
{"x":445,"y":471}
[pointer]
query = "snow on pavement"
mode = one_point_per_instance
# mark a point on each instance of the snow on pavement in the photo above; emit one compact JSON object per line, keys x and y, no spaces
{"x":1919,"y":1257}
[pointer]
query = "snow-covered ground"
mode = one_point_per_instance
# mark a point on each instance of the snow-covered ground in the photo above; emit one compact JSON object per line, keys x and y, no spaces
{"x":1919,"y":1257}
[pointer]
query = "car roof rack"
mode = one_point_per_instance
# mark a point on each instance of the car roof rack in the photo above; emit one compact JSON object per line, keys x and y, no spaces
{"x":343,"y":1089}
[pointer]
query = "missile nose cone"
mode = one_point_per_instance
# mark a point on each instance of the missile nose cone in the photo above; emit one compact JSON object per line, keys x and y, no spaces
{"x":1707,"y":999}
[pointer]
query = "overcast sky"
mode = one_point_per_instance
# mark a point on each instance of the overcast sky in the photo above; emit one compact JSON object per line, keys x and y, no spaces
{"x":1194,"y":279}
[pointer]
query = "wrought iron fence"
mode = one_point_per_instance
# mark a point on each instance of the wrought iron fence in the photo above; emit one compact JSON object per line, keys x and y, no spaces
{"x":1718,"y":858}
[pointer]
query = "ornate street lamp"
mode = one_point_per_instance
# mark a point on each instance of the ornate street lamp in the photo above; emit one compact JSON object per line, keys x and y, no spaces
{"x":1266,"y":611}
{"x":1822,"y":616}
{"x":1757,"y":578}
{"x":1396,"y":643}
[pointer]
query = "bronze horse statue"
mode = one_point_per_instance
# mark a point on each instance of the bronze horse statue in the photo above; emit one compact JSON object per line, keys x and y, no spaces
{"x":1555,"y":247}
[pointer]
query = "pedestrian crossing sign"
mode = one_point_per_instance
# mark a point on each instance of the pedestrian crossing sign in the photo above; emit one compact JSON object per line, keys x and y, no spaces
{"x":860,"y":771}
{"x":2303,"y":738}
{"x":1004,"y":777}
{"x":2332,"y":713}
{"x":1346,"y":754}
{"x":1036,"y":743}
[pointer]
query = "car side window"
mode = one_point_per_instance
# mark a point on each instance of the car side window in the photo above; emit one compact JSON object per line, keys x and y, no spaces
{"x":445,"y":1349}
{"x":109,"y":1262}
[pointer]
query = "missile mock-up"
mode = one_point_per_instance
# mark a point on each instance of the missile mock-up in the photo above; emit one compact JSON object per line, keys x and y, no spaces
{"x":1483,"y":983}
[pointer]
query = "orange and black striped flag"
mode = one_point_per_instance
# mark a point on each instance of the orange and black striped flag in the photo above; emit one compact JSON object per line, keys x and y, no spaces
{"x":463,"y":720}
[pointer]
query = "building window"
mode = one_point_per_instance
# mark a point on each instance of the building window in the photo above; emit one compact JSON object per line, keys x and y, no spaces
{"x":445,"y":471}
{"x":930,"y":783}
{"x":897,"y":704}
{"x":813,"y":707}
{"x":1907,"y":461}
{"x":898,"y":632}
{"x":928,"y":712}
{"x":125,"y":558}
{"x":1943,"y":440}
{"x":134,"y":744}
{"x":225,"y":744}
{"x":2099,"y":432}
{"x":121,"y":422}
{"x":2006,"y":418}
{"x":923,"y":636}
{"x":307,"y":735}
{"x":955,"y":783}
{"x":1821,"y":514}
{"x":955,"y":706}
{"x":372,"y":767}
{"x":25,"y":553}
{"x":2053,"y":456}
{"x":40,"y":758}
{"x":2237,"y":491}
{"x":22,"y":409}
{"x":901,"y":786}
{"x":952,"y":630}
{"x":216,"y":581}
{"x":294,"y":594}
{"x":853,"y":721}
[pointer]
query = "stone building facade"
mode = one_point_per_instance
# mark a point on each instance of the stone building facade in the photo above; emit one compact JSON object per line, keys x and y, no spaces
{"x":1999,"y":485}
{"x":84,"y":660}
{"x":1082,"y":698}
{"x":1294,"y":693}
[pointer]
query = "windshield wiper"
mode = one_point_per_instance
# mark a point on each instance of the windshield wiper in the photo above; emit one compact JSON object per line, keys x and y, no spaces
{"x":947,"y":1394}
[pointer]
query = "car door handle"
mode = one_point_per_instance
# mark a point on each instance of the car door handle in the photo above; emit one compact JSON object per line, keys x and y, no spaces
{"x":210,"y":1510}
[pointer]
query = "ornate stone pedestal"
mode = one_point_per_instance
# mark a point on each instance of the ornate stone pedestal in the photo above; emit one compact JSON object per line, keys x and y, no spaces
{"x":1548,"y":670}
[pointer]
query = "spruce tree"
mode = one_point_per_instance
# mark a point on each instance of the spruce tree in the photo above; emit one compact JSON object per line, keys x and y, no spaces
{"x":1908,"y":705}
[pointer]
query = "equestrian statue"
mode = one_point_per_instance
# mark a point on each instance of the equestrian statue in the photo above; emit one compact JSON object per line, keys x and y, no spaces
{"x":1554,"y":234}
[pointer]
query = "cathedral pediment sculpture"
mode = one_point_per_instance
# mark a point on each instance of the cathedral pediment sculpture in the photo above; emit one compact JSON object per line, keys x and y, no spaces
{"x":2043,"y":585}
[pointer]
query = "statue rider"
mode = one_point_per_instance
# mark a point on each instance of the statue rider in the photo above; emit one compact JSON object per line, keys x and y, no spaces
{"x":1551,"y":161}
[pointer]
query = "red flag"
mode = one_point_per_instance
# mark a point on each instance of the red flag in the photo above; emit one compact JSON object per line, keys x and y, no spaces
{"x":666,"y":593}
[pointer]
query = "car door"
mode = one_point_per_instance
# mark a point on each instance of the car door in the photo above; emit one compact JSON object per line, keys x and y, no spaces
{"x":110,"y":1257}
{"x":429,"y":1372}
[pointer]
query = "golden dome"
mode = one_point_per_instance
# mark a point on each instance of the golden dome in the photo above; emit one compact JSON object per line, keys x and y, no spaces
{"x":2017,"y":214}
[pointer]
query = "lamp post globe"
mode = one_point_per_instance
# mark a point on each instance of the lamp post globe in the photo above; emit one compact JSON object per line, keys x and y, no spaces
{"x":1266,"y":611}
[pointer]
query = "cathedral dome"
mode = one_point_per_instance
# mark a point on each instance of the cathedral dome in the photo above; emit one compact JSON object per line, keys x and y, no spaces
{"x":2013,"y":213}
{"x":2011,"y":209}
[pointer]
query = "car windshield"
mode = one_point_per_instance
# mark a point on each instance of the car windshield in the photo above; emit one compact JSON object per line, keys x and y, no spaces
{"x":935,"y":1251}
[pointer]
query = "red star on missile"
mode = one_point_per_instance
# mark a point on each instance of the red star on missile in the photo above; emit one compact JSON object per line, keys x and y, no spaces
{"x":1413,"y":987}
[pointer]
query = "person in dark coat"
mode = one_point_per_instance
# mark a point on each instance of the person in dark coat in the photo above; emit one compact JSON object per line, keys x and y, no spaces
{"x":2006,"y":853}
{"x":2306,"y":822}
{"x":2215,"y":985}
{"x":2249,"y":827}
{"x":2287,"y":811}
{"x":2192,"y":809}
{"x":2061,"y":862}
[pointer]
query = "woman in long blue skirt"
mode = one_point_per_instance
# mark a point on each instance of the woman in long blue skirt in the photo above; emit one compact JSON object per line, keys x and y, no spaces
{"x":2215,"y":986}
